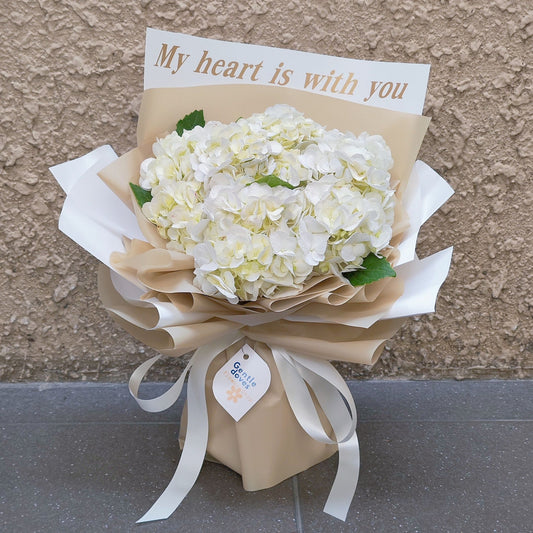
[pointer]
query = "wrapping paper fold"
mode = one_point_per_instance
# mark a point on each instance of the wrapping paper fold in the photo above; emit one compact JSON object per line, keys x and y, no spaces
{"x":149,"y":290}
{"x":329,"y":318}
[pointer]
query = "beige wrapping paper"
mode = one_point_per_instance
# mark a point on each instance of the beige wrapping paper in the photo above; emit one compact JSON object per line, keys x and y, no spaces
{"x":267,"y":445}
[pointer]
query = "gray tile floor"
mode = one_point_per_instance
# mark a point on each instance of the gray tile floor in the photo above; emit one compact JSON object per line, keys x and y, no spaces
{"x":436,"y":457}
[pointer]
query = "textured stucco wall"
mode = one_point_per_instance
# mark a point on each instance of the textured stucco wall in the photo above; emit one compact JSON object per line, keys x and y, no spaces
{"x":71,"y":80}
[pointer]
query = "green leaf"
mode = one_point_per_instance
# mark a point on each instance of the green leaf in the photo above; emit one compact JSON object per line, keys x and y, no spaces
{"x":273,"y":181}
{"x":141,"y":195}
{"x":374,"y":268}
{"x":188,"y":122}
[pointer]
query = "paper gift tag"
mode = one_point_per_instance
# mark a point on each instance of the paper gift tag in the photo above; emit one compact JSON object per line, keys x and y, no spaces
{"x":241,"y":382}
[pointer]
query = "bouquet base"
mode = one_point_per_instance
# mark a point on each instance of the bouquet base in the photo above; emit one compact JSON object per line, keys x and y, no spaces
{"x":267,"y":445}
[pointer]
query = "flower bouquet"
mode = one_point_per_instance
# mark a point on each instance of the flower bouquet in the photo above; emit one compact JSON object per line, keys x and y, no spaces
{"x":269,"y":233}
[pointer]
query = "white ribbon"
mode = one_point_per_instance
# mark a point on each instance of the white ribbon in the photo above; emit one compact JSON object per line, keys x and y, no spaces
{"x":297,"y":373}
{"x":195,"y":445}
{"x":338,"y":405}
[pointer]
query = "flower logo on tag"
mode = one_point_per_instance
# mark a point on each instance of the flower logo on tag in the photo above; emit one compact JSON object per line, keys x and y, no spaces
{"x":234,"y":394}
{"x":241,"y":382}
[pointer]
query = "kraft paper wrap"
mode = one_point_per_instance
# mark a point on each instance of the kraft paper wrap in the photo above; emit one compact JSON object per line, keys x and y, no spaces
{"x":267,"y":445}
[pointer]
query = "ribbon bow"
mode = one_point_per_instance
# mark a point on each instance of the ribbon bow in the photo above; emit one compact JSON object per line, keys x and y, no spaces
{"x":298,"y":373}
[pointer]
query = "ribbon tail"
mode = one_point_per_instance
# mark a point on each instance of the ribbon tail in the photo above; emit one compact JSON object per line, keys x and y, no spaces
{"x":338,"y":405}
{"x":195,"y":446}
{"x":192,"y":456}
{"x":343,"y":488}
{"x":345,"y":483}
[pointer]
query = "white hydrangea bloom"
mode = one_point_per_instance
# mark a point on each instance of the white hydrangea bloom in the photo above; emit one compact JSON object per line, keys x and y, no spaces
{"x":333,"y":203}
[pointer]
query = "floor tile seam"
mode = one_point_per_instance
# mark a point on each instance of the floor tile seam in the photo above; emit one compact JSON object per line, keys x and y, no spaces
{"x":41,"y":386}
{"x":445,"y":421}
{"x":95,"y":423}
{"x":297,"y":504}
{"x":379,"y":381}
{"x":360,"y":422}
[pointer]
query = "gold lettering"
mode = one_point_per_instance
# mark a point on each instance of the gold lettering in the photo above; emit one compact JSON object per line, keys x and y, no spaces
{"x":218,"y":64}
{"x":328,"y":80}
{"x":399,"y":95}
{"x":228,"y":69}
{"x":313,"y":80}
{"x":244,"y":68}
{"x":257,"y":68}
{"x":276,"y":73}
{"x":205,"y":59}
{"x":385,"y":90}
{"x":375,"y":85}
{"x":389,"y":89}
{"x":349,"y":85}
{"x":337,"y":81}
{"x":181,"y":59}
{"x":231,"y":70}
{"x":286,"y":76}
{"x":165,"y":55}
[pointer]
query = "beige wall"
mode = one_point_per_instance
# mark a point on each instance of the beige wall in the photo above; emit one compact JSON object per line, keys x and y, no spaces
{"x":71,"y":80}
